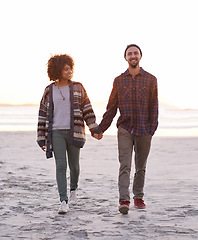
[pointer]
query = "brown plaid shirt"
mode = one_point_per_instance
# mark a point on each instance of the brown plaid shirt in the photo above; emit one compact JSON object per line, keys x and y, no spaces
{"x":137,"y":100}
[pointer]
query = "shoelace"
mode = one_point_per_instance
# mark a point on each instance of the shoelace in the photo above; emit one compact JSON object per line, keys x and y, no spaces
{"x":125,"y":203}
{"x":140,"y":201}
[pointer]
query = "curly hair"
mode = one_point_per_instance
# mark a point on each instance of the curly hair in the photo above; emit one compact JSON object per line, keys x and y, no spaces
{"x":56,"y":64}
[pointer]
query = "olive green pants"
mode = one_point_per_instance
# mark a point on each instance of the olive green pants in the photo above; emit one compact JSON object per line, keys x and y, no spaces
{"x":61,"y":146}
{"x":141,"y":145}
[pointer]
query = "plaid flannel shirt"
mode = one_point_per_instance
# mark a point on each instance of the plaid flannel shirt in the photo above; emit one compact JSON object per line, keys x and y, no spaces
{"x":137,"y":100}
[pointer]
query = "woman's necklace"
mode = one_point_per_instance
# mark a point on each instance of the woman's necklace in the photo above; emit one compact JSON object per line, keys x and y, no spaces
{"x":60,"y":91}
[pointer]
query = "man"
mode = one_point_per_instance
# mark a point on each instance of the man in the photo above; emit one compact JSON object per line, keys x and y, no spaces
{"x":135,"y":94}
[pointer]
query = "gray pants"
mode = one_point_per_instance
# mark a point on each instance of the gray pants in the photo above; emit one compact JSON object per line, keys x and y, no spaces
{"x":141,"y":144}
{"x":60,"y":146}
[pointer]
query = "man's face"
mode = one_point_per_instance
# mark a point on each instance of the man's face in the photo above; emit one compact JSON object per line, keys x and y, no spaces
{"x":133,"y":56}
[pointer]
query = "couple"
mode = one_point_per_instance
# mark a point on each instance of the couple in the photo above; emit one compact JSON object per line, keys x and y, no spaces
{"x":65,"y":106}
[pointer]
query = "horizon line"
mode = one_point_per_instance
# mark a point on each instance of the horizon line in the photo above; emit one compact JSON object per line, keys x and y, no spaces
{"x":172,"y":107}
{"x":18,"y":104}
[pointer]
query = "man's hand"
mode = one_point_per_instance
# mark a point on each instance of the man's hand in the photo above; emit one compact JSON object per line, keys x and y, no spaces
{"x":98,"y":136}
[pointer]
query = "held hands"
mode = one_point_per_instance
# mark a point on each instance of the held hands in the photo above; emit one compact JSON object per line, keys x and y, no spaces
{"x":98,"y":136}
{"x":95,"y":135}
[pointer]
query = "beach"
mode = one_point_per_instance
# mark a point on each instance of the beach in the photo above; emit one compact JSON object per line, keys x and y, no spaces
{"x":29,"y":198}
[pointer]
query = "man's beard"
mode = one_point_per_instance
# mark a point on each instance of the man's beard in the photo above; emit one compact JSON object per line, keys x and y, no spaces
{"x":134,"y":65}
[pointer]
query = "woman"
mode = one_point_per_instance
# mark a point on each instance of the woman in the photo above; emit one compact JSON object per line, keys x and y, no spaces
{"x":63,"y":109}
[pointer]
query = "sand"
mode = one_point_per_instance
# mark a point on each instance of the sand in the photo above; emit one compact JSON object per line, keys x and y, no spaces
{"x":29,"y":199}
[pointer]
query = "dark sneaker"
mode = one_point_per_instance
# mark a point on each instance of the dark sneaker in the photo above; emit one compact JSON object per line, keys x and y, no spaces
{"x":124,"y":207}
{"x":139,"y":203}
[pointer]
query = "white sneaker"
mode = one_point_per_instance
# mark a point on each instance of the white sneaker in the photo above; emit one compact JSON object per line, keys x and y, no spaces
{"x":63,"y":208}
{"x":73,"y":197}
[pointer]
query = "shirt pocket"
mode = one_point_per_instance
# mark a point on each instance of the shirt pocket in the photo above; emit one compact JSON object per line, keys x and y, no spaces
{"x":143,"y":93}
{"x":125,"y":92}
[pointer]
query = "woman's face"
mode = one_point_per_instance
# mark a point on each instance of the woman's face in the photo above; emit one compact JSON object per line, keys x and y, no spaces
{"x":66,"y":72}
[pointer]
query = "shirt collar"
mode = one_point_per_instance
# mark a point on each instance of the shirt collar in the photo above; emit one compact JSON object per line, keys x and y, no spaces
{"x":142,"y":72}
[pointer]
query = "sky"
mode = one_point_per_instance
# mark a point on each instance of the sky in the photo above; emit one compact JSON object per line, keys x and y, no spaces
{"x":95,"y":34}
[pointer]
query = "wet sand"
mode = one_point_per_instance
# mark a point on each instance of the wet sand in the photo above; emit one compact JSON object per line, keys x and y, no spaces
{"x":29,"y":199}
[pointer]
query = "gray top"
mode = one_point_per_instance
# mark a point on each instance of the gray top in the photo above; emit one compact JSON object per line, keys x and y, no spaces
{"x":61,"y":115}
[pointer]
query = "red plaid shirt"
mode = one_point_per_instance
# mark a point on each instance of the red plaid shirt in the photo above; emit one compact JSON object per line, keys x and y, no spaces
{"x":137,"y":100}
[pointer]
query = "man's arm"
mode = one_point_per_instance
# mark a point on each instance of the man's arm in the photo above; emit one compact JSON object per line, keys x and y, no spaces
{"x":111,"y":110}
{"x":153,"y":108}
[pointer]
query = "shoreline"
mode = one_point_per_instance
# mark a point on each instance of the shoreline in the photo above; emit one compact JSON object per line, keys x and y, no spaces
{"x":105,"y":134}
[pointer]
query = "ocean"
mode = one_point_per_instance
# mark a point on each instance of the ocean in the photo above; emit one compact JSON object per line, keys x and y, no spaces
{"x":172,"y":121}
